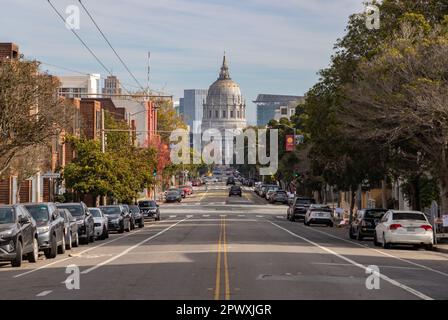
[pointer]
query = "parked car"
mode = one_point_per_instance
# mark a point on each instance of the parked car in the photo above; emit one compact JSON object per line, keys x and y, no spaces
{"x":319,"y":215}
{"x":187,"y":190}
{"x":235,"y":191}
{"x":364,"y":223}
{"x":18,"y":235}
{"x":101,"y":223}
{"x":86,"y":225}
{"x":173,"y":196}
{"x":404,"y":227}
{"x":50,"y":228}
{"x":150,"y":209}
{"x":279,"y":196}
{"x":299,"y":207}
{"x":128,"y":211}
{"x":137,"y":215}
{"x":118,"y":219}
{"x":71,"y":229}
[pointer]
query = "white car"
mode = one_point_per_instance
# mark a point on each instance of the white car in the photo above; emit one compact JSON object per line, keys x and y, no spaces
{"x":101,"y":223}
{"x":404,"y":227}
{"x":319,"y":214}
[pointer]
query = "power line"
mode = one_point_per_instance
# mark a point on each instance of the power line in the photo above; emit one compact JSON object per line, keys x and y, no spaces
{"x":110,"y":45}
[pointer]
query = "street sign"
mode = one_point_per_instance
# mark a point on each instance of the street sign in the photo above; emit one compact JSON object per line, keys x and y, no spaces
{"x":51,"y":175}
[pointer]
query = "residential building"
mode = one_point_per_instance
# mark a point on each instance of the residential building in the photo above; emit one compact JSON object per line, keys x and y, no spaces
{"x":87,"y":86}
{"x":111,"y":86}
{"x":9,"y":51}
{"x":267,"y":104}
{"x":192,"y":106}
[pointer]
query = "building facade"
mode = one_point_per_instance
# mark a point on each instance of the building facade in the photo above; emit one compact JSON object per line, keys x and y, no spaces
{"x":111,"y":86}
{"x":288,"y":110}
{"x":268,"y":104}
{"x":87,"y":86}
{"x":192,"y":106}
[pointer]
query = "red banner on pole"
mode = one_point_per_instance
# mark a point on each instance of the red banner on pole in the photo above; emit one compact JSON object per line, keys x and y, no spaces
{"x":290,"y":143}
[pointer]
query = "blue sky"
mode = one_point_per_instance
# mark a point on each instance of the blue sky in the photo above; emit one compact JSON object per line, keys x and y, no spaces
{"x":272,"y":46}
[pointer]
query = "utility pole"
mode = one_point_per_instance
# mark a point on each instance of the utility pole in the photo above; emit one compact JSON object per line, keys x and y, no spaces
{"x":103,"y":143}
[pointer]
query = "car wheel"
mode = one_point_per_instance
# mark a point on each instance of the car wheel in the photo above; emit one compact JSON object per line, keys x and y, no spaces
{"x":142,"y":223}
{"x":292,"y":218}
{"x":17,"y":262}
{"x":128,"y":229}
{"x":104,"y":235}
{"x":52,"y":252}
{"x":360,"y":237}
{"x":61,"y":248}
{"x":385,"y":244}
{"x":330,"y":225}
{"x":121,"y":229}
{"x":69,"y":244}
{"x":429,"y":247}
{"x":76,"y":243}
{"x":34,"y":255}
{"x":375,"y":240}
{"x":351,"y":234}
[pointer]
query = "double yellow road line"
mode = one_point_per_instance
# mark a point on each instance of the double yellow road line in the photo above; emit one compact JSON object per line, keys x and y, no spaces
{"x":222,"y":259}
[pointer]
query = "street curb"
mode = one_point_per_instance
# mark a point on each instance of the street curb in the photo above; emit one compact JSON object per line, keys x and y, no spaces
{"x":441,"y":250}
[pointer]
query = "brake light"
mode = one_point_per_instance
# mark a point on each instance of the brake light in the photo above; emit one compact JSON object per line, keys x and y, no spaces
{"x":395,"y":226}
{"x":426,"y":227}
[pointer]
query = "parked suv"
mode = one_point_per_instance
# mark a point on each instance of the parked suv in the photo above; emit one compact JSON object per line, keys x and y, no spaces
{"x":139,"y":219}
{"x":86,"y":225}
{"x":118,"y":218}
{"x":50,"y":228}
{"x":365,"y":223}
{"x":319,"y":214}
{"x":150,"y":209}
{"x":18,"y":235}
{"x":279,"y":196}
{"x":299,"y":207}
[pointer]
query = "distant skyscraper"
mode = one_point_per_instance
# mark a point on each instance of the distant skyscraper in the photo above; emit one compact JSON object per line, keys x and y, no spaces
{"x":268,"y":104}
{"x":111,"y":86}
{"x":192,"y":105}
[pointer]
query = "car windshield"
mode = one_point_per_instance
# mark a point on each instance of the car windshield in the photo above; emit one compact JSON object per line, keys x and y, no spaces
{"x":134,"y":209}
{"x":173,"y":193}
{"x":282,"y":193}
{"x":409,"y":216}
{"x":7,"y":215}
{"x":39,"y":212}
{"x":374,"y":214}
{"x":305,"y":201}
{"x":95,"y":213}
{"x":147,"y":204}
{"x":110,"y":211}
{"x":75,"y":210}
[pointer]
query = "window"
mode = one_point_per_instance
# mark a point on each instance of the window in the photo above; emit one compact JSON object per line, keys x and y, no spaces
{"x":239,"y":114}
{"x":292,"y":112}
{"x":224,"y":114}
{"x":210,"y":114}
{"x":217,"y":114}
{"x":284,"y":111}
{"x":232,"y":114}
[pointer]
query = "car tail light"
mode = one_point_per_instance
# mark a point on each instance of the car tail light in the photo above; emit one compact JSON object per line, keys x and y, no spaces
{"x":426,"y":227}
{"x":395,"y":226}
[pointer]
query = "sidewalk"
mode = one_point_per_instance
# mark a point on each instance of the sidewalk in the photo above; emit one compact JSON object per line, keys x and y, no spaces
{"x":441,"y":247}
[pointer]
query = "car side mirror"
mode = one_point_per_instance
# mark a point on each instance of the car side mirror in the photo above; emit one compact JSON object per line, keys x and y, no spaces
{"x":24,"y":220}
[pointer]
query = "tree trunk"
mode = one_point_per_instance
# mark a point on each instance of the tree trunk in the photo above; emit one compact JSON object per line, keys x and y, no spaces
{"x":352,"y":204}
{"x":19,"y":185}
{"x":97,"y":201}
{"x":444,"y":194}
{"x":384,"y":193}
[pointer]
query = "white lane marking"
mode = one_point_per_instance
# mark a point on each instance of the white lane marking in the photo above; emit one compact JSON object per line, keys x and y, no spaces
{"x":349,"y":265}
{"x":223,"y":215}
{"x":260,"y":216}
{"x":383,"y":253}
{"x":190,"y":216}
{"x":173,"y":217}
{"x":202,"y":198}
{"x":280,"y":217}
{"x":44,"y":293}
{"x":75,"y":255}
{"x":241,"y":215}
{"x":382,"y":276}
{"x":130,"y":248}
{"x":206,"y":216}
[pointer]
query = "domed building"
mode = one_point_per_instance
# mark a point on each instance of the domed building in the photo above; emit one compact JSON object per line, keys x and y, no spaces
{"x":225,"y":107}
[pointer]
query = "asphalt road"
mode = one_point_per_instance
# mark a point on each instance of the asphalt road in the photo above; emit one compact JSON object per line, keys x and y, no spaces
{"x":212,"y":247}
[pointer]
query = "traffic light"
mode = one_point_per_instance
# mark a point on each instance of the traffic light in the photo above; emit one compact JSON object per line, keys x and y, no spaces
{"x":155,"y":173}
{"x":296,"y":175}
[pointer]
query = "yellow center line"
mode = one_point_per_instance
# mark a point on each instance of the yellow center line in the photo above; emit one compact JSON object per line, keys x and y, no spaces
{"x":226,"y":267}
{"x":218,"y":266}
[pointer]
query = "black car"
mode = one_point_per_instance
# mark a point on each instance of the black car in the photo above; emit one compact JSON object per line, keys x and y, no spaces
{"x":364,"y":223}
{"x":173,"y":196}
{"x":235,"y":191}
{"x":150,"y":209}
{"x":50,"y":228}
{"x":18,"y":235}
{"x":299,"y":207}
{"x":86,"y":225}
{"x":230,"y":181}
{"x":119,"y":218}
{"x":137,"y":215}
